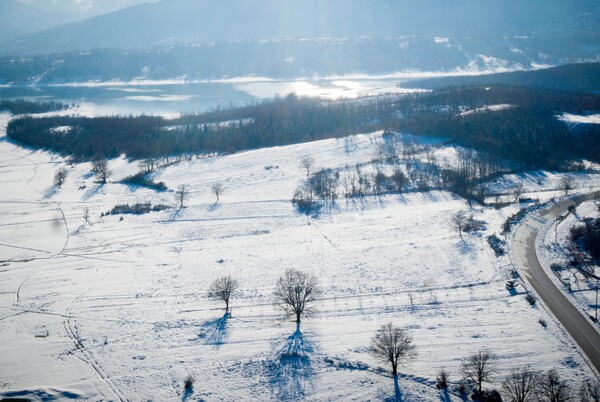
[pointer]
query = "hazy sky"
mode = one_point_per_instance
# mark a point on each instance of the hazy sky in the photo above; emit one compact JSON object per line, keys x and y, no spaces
{"x":82,"y":8}
{"x":20,"y":17}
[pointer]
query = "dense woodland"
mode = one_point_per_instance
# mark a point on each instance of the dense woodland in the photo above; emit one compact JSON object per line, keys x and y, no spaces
{"x":580,"y":77}
{"x":527,"y":132}
{"x":21,"y":106}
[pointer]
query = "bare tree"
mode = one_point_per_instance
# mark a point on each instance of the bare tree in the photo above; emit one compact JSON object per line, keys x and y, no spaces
{"x":399,"y":180}
{"x":590,"y":391}
{"x":460,"y":221}
{"x":478,"y":367}
{"x":100,"y":168}
{"x":520,"y":385}
{"x":86,"y":214}
{"x":148,"y":165}
{"x":295,"y":290}
{"x":381,"y":182}
{"x":393,"y":345}
{"x":552,"y":389}
{"x":386,"y":150}
{"x":517,"y":192}
{"x":442,"y":379}
{"x":566,"y":184}
{"x":60,"y":176}
{"x":217,"y":189}
{"x":181,"y":194}
{"x":223,"y":289}
{"x":307,"y":162}
{"x":324,"y":184}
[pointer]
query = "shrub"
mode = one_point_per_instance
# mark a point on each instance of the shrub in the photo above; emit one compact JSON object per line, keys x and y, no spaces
{"x":486,"y":396}
{"x":473,"y":225}
{"x":442,"y":379}
{"x":531,"y":299}
{"x":140,"y":179}
{"x":188,"y":384}
{"x":137,"y":209}
{"x":514,"y":219}
{"x":587,"y":236}
{"x":304,"y":202}
{"x":462,"y":389}
{"x":497,"y":245}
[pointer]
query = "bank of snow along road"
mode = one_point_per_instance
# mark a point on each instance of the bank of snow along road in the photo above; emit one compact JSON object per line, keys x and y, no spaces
{"x":580,"y":327}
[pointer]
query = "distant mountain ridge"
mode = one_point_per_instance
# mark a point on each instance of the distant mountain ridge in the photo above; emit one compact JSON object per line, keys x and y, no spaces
{"x":292,"y":59}
{"x":18,"y":19}
{"x":186,"y":21}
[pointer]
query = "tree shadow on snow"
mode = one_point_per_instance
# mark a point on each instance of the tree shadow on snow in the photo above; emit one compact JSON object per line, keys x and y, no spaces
{"x":291,"y":372}
{"x":464,"y":247}
{"x":186,"y":394}
{"x":402,"y":199}
{"x":213,"y":207}
{"x":50,"y":192}
{"x":397,"y":392}
{"x":356,"y":203}
{"x":175,"y":214}
{"x":397,"y":396}
{"x":92,"y":191}
{"x":312,"y":209}
{"x":445,"y":396}
{"x":215,"y":332}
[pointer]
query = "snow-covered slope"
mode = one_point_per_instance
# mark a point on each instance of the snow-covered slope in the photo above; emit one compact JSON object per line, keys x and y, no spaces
{"x":118,"y":309}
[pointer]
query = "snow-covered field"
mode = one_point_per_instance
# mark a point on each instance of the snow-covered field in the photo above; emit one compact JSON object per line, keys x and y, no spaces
{"x":117,"y":309}
{"x":577,"y":119}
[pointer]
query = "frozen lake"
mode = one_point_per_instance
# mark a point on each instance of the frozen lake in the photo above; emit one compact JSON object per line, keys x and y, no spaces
{"x":178,"y":95}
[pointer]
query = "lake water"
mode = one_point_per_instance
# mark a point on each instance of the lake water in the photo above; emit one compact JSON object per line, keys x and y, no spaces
{"x":173,"y":97}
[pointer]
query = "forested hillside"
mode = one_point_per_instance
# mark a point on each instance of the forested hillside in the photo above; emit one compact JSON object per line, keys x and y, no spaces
{"x":293,"y":58}
{"x":583,"y":77}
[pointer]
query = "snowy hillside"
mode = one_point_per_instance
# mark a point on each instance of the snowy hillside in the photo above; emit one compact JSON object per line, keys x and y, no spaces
{"x":117,"y":308}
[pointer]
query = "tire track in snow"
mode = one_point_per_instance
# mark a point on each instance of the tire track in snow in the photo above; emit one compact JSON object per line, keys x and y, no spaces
{"x":318,"y":228}
{"x":86,"y":356}
{"x":11,"y":315}
{"x":64,"y":219}
{"x":24,"y":248}
{"x":18,"y":293}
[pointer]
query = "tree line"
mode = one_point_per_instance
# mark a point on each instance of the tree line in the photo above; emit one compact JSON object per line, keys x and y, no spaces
{"x":527,"y":132}
{"x":400,"y":165}
{"x":22,"y":106}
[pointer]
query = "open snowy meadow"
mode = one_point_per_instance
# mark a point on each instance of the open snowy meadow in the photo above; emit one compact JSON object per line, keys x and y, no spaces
{"x":117,"y":307}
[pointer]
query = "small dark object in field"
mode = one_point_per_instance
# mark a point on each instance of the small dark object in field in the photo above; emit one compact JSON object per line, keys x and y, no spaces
{"x":531,"y":299}
{"x":188,"y":384}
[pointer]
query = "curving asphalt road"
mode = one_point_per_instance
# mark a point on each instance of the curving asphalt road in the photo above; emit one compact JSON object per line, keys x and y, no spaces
{"x":579,"y":326}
